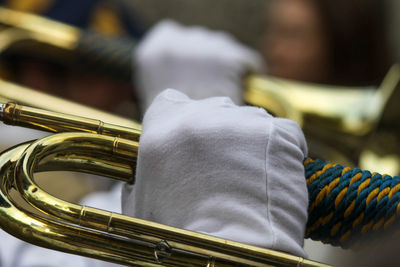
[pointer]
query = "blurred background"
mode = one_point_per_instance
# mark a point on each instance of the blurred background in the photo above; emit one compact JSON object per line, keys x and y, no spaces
{"x":348,"y":44}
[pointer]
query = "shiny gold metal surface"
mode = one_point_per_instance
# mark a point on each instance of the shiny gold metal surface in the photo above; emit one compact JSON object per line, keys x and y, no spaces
{"x":347,"y":109}
{"x":101,"y":148}
{"x":11,"y":92}
{"x":337,"y":122}
{"x":100,"y":234}
{"x":49,"y":121}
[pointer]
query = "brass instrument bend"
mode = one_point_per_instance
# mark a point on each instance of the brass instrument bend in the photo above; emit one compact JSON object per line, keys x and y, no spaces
{"x":89,"y":231}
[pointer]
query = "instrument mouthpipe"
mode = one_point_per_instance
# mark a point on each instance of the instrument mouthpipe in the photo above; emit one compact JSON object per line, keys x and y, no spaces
{"x":50,"y":121}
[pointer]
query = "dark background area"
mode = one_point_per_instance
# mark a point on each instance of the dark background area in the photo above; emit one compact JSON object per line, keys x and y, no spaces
{"x":245,"y":19}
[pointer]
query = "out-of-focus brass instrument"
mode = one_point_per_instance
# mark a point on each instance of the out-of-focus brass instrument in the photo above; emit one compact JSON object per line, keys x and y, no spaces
{"x":338,"y":122}
{"x":332,"y":118}
{"x":35,"y":35}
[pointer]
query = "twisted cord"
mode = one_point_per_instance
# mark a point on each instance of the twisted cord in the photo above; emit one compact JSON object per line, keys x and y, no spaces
{"x":347,"y":205}
{"x":111,"y":56}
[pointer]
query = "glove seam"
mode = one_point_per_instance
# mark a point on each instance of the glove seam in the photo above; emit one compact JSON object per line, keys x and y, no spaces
{"x":269,"y":216}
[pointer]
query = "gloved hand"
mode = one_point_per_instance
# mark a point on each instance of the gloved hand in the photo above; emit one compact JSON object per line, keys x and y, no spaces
{"x":213,"y":167}
{"x":194,"y":60}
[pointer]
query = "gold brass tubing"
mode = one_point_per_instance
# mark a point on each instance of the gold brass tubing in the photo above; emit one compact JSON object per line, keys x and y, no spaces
{"x":353,"y":110}
{"x":91,"y":153}
{"x":103,"y":151}
{"x":183,"y":243}
{"x":68,"y":238}
{"x":49,"y":121}
{"x":10,"y":36}
{"x":10,"y":92}
{"x":55,"y":235}
{"x":100,"y":147}
{"x":55,"y":33}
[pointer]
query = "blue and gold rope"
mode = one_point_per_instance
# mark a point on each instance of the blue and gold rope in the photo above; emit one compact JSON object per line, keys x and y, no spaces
{"x":348,"y":204}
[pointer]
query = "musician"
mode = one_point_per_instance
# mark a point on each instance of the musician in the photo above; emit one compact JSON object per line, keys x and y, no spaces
{"x":207,"y":164}
{"x":202,"y":64}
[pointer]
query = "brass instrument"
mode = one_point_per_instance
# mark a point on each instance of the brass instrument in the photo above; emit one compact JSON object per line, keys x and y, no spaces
{"x":338,"y":122}
{"x":31,"y":34}
{"x":25,"y":96}
{"x":97,"y":147}
{"x":110,"y":149}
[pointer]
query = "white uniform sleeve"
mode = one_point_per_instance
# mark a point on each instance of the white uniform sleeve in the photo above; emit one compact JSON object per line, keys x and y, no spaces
{"x":199,"y":62}
{"x":217,"y":168}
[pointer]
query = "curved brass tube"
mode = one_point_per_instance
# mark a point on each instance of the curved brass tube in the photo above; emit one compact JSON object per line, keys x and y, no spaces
{"x":49,"y":233}
{"x":55,"y":122}
{"x":10,"y":92}
{"x":105,"y":235}
{"x":84,"y":230}
{"x":102,"y":155}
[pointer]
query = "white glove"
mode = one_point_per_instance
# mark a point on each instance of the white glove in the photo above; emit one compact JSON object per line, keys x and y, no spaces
{"x":194,"y":60}
{"x":213,"y":167}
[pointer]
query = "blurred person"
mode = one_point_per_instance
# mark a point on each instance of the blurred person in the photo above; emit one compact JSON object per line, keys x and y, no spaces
{"x":303,"y":44}
{"x":338,"y":43}
{"x":331,"y":42}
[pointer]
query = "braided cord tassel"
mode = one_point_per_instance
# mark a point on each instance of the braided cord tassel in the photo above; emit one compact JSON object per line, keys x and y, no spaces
{"x":348,"y":204}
